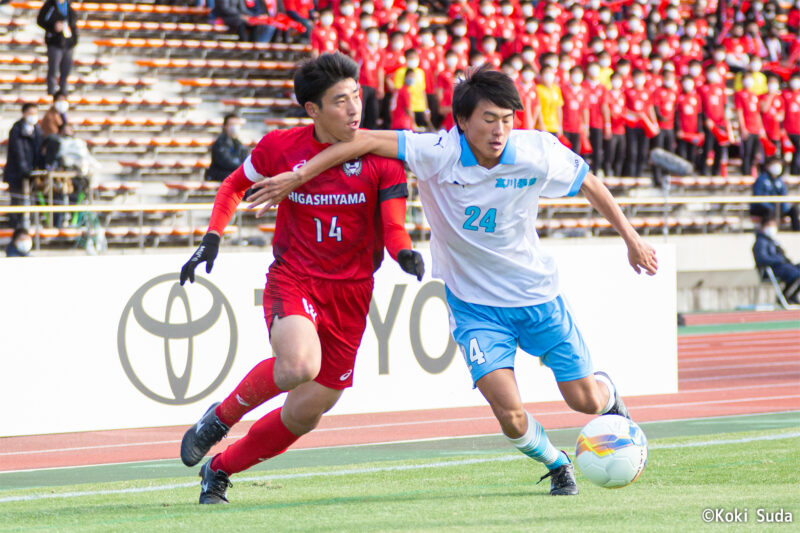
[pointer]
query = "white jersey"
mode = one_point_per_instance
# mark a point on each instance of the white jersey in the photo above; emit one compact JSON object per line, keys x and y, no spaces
{"x":483,"y":236}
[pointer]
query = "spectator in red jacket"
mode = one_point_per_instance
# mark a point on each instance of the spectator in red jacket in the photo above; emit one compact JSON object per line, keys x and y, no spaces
{"x":750,"y":125}
{"x":300,"y":11}
{"x":687,"y":109}
{"x":614,"y":149}
{"x":599,"y":118}
{"x":531,"y":115}
{"x":370,"y":59}
{"x":664,"y":101}
{"x":490,"y":53}
{"x":445,"y":83}
{"x":791,"y":122}
{"x":324,"y":37}
{"x":638,"y":107}
{"x":773,"y":110}
{"x":575,"y":113}
{"x":716,"y":126}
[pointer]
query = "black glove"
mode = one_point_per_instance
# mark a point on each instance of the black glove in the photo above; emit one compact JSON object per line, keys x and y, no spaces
{"x":411,"y":262}
{"x":207,"y":251}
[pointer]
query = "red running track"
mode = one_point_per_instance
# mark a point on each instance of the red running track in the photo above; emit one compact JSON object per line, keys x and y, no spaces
{"x":719,"y":374}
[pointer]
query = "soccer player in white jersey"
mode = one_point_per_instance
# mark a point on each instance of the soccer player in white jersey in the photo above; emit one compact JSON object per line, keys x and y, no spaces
{"x":480,"y":184}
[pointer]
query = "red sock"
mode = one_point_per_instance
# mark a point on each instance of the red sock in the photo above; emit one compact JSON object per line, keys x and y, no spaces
{"x":267,"y":438}
{"x":257,"y":387}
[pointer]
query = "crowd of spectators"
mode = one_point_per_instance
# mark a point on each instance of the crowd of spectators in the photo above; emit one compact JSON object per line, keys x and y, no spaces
{"x":611,"y":79}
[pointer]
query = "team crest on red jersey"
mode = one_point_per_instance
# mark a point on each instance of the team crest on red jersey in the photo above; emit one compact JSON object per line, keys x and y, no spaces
{"x":352,"y":167}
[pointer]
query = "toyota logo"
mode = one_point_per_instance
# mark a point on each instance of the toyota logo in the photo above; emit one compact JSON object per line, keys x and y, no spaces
{"x":146,"y":361}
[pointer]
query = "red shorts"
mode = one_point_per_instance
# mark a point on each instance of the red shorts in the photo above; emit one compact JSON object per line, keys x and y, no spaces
{"x":338,"y":309}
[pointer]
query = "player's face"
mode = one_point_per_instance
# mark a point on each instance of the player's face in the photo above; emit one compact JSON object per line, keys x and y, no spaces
{"x":487,"y":131}
{"x":340,"y":115}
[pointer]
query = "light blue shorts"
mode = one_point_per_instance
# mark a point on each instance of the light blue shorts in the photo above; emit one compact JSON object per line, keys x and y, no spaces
{"x":489,"y":336}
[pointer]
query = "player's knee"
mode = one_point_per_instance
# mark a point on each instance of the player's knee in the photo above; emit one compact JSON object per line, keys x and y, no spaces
{"x":513,"y":421}
{"x":296,"y":371}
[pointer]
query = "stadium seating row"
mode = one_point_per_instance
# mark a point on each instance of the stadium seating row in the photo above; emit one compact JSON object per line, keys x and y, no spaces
{"x":121,"y":8}
{"x":93,"y":100}
{"x":215,"y":64}
{"x":30,"y":79}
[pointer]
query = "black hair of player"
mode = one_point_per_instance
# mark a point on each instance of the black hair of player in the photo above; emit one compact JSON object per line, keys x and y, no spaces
{"x":484,"y":84}
{"x":316,"y":76}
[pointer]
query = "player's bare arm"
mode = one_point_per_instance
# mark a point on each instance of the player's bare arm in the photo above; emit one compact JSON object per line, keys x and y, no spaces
{"x":641,"y":255}
{"x":271,"y":191}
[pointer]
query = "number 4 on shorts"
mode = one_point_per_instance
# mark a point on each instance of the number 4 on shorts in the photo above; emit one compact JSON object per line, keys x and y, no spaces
{"x":475,"y":354}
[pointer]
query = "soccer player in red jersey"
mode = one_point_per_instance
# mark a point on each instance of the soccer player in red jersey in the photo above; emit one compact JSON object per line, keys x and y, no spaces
{"x":750,"y":125}
{"x":791,"y":123}
{"x":329,"y":239}
{"x":688,"y":108}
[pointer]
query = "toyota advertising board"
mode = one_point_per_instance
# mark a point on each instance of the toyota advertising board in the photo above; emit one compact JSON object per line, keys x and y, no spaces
{"x":93,"y":343}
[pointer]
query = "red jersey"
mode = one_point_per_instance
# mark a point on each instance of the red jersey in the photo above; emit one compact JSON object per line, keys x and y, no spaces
{"x":615,"y":98}
{"x":431,"y":61}
{"x":445,"y":82}
{"x":636,"y":101}
{"x":688,"y":107}
{"x":329,"y":227}
{"x":548,"y":42}
{"x":791,"y":122}
{"x":346,"y":27}
{"x":713,"y":98}
{"x":664,"y":101}
{"x":530,"y":99}
{"x":401,"y":104}
{"x":771,"y":118}
{"x":596,"y":98}
{"x":370,"y":61}
{"x":324,"y":39}
{"x":747,"y":103}
{"x":574,"y":104}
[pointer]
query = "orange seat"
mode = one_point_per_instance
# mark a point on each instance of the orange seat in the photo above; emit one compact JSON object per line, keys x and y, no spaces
{"x":267,"y":228}
{"x":70,"y":233}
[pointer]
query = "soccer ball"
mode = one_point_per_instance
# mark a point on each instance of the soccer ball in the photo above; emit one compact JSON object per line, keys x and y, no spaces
{"x":611,"y":451}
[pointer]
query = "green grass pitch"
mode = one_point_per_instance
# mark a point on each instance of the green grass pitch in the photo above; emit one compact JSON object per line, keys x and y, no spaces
{"x":490,"y":488}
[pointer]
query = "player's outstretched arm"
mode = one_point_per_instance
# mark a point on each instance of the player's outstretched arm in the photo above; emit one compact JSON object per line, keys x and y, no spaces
{"x":396,"y":238}
{"x":641,"y":255}
{"x":229,"y":195}
{"x":271,"y":191}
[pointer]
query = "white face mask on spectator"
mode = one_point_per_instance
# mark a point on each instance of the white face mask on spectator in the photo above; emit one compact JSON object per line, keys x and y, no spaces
{"x":794,"y":84}
{"x":770,"y":231}
{"x":517,"y":64}
{"x":531,"y":28}
{"x":507,"y":10}
{"x":233,"y":131}
{"x":441,"y":40}
{"x":460,"y":31}
{"x":747,"y":83}
{"x":605,"y":62}
{"x":413,"y":63}
{"x":369,"y":9}
{"x":594,"y":71}
{"x":638,"y":82}
{"x":404,"y":27}
{"x":411,"y":7}
{"x":713,"y":78}
{"x":486,"y":11}
{"x":326,"y":20}
{"x":773,"y":87}
{"x":775,"y":169}
{"x":451,"y":62}
{"x":426,"y":41}
{"x":490,"y":47}
{"x":61,"y":106}
{"x":548,"y":78}
{"x":529,"y":56}
{"x":373,"y":38}
{"x":695,"y":71}
{"x":31,"y":120}
{"x":527,"y":10}
{"x":24,"y":245}
{"x":577,"y":79}
{"x":346,"y":10}
{"x":688,"y":87}
{"x":527,"y":76}
{"x":719,"y":56}
{"x":616,"y":83}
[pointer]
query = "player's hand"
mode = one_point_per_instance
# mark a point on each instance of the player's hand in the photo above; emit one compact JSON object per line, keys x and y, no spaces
{"x":207,"y":251}
{"x":271,"y":191}
{"x":642,"y":256}
{"x":411,"y":262}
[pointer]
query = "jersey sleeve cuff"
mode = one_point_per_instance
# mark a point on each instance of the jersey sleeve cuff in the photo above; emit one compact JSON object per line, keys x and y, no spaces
{"x":576,"y":185}
{"x":399,"y":190}
{"x":401,"y":145}
{"x":250,"y":171}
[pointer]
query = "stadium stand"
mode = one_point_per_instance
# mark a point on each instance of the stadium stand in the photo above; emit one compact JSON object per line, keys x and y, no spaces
{"x":153,"y":81}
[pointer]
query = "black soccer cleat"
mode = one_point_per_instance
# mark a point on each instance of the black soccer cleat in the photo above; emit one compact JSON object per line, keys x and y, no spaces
{"x":199,"y":438}
{"x":214,"y":485}
{"x":562,"y":480}
{"x":619,"y":406}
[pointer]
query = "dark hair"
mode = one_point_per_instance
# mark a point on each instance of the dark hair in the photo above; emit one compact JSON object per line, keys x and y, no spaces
{"x":484,"y":84}
{"x":28,"y":105}
{"x":316,"y":76}
{"x":228,"y":118}
{"x":20,"y":230}
{"x":59,"y":94}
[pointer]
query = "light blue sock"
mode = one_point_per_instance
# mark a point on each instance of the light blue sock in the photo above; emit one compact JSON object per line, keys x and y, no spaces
{"x":535,"y":444}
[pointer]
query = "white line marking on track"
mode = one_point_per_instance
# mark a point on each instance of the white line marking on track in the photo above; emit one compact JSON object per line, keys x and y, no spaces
{"x":743,"y":365}
{"x":372,"y":470}
{"x":758,"y":357}
{"x":745,"y":376}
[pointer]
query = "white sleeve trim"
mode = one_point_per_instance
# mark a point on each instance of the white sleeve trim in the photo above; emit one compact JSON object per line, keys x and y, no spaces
{"x":250,"y":171}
